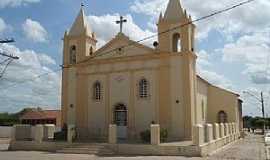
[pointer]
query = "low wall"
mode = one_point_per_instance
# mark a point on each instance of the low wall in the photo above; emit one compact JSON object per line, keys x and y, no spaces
{"x":5,"y":132}
{"x":133,"y":149}
{"x":35,"y":146}
{"x":156,"y":150}
{"x":198,"y":148}
{"x":215,"y":145}
{"x":119,"y":149}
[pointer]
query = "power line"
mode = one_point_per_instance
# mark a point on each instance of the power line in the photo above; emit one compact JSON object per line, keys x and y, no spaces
{"x":4,"y":61}
{"x":33,"y":79}
{"x":169,"y":30}
{"x":144,"y":39}
{"x":5,"y":68}
{"x":9,"y":55}
{"x":7,"y":40}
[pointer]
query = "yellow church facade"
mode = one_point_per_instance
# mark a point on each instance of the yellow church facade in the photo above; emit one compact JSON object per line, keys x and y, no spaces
{"x":133,"y":85}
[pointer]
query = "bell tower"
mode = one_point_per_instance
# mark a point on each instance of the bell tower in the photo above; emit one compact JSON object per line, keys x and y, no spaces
{"x":175,"y":34}
{"x":80,"y":41}
{"x":79,"y":44}
{"x":176,"y":37}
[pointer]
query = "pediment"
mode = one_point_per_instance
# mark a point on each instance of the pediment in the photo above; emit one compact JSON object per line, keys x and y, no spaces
{"x":122,"y":46}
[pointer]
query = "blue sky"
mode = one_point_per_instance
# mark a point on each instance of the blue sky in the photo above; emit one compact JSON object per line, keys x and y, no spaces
{"x":233,"y":48}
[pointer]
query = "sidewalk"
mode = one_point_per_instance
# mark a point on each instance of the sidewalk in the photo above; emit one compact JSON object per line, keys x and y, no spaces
{"x":250,"y":148}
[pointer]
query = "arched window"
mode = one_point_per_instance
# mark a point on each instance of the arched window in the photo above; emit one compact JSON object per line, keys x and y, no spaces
{"x":97,"y":91}
{"x":72,"y":55}
{"x":143,"y":88}
{"x":176,"y":42}
{"x":222,"y":117}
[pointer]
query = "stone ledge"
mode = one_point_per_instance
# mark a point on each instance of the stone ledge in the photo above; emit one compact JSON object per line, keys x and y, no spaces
{"x":131,"y":149}
{"x":119,"y":149}
{"x":213,"y":146}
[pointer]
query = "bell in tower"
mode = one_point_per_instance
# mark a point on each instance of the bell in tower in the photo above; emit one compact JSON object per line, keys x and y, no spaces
{"x":176,"y":35}
{"x":80,"y":41}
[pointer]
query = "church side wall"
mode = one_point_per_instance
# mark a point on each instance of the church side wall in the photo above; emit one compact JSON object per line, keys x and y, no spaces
{"x":202,"y":99}
{"x":96,"y":109}
{"x":164,"y":95}
{"x":221,"y":100}
{"x":145,"y":110}
{"x":81,"y":107}
{"x":176,"y":98}
{"x":71,"y":101}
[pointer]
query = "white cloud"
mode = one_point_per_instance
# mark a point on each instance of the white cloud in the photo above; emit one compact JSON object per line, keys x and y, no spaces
{"x":240,"y":20}
{"x":3,"y":25}
{"x":21,"y":87}
{"x":216,"y":79}
{"x":34,"y":31}
{"x":253,"y":52}
{"x":252,"y":105}
{"x":203,"y":58}
{"x":16,"y":3}
{"x":100,"y":25}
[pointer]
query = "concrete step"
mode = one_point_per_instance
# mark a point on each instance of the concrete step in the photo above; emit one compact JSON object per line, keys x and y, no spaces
{"x":87,"y":149}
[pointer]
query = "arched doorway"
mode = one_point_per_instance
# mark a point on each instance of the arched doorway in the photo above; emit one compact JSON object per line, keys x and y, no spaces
{"x":120,"y":119}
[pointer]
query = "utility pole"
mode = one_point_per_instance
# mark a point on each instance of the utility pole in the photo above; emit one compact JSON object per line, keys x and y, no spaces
{"x":261,"y":100}
{"x":10,"y":57}
{"x":263,"y":114}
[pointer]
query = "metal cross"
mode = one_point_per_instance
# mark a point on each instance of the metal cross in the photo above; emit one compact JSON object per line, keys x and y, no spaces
{"x":121,"y":21}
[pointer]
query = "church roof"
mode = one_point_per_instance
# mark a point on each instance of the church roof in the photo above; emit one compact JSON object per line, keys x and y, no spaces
{"x":174,"y":11}
{"x":81,"y":25}
{"x":122,"y":37}
{"x":210,"y":84}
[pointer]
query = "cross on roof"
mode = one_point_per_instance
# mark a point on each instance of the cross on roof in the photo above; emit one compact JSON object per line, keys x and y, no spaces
{"x":121,"y":21}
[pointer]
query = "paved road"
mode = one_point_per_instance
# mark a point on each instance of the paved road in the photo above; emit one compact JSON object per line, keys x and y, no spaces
{"x":251,"y":148}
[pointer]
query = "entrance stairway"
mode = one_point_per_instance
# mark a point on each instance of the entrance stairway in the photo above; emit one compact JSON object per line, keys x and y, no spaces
{"x":97,"y":149}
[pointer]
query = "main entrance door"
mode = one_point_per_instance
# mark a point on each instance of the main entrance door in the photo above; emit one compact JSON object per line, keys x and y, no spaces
{"x":120,"y":118}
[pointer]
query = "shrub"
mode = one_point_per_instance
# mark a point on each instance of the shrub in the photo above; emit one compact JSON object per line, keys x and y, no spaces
{"x":60,"y":136}
{"x":146,"y":136}
{"x":163,"y":135}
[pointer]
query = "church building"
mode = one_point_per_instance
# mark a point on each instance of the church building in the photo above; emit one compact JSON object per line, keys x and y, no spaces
{"x":133,"y":85}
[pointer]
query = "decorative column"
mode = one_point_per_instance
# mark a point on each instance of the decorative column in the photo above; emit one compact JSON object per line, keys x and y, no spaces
{"x":216,"y":131}
{"x":49,"y":130}
{"x":222,"y":130}
{"x":71,"y":133}
{"x":209,"y":132}
{"x":13,"y":133}
{"x":233,"y":131}
{"x":155,"y":134}
{"x":38,"y":135}
{"x":227,"y":132}
{"x":198,"y":134}
{"x":112,"y":134}
{"x":22,"y":132}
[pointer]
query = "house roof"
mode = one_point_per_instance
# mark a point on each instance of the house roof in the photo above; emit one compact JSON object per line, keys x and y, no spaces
{"x":43,"y":114}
